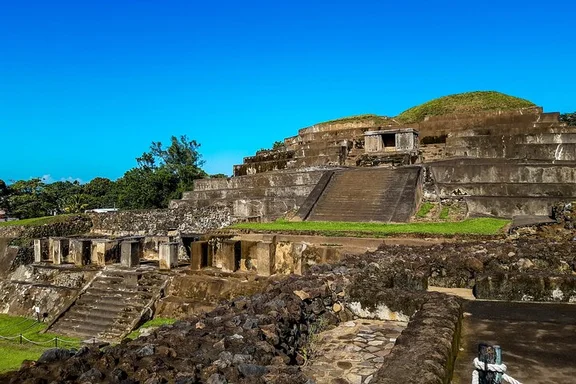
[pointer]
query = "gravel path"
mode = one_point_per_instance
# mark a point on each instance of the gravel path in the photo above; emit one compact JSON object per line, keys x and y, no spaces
{"x":352,"y":352}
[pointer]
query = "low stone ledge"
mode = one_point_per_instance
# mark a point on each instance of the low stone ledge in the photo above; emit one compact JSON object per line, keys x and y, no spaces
{"x":539,"y":286}
{"x":72,"y":225}
{"x":425,"y":351}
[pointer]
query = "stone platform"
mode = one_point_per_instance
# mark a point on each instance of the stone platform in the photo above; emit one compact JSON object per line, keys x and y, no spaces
{"x":352,"y":352}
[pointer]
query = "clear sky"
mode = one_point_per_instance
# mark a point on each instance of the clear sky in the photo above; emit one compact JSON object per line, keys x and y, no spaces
{"x":86,"y":86}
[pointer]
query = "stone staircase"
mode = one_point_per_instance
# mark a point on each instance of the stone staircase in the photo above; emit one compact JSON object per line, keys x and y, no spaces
{"x":372,"y":194}
{"x":111,"y":306}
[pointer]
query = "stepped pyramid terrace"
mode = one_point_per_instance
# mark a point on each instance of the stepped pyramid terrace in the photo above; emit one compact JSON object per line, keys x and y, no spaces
{"x":363,"y":250}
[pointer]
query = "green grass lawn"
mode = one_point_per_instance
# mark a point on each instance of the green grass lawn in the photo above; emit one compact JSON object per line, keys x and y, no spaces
{"x":479,"y":226}
{"x":38,"y":221}
{"x":151,"y":323}
{"x":12,"y":353}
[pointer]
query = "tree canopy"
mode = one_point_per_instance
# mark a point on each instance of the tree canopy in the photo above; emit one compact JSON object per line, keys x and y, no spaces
{"x":568,"y":118}
{"x":161,"y":174}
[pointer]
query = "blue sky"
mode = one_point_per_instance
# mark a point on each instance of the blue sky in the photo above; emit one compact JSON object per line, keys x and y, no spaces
{"x":86,"y":86}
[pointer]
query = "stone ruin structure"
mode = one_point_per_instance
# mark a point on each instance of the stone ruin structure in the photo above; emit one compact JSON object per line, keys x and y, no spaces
{"x":127,"y":251}
{"x":103,"y":281}
{"x":500,"y":163}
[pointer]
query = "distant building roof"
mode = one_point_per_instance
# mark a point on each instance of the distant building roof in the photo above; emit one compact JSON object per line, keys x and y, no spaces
{"x":101,"y":210}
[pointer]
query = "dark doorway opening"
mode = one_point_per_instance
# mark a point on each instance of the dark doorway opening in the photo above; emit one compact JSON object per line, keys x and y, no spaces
{"x":204,"y":257}
{"x":187,"y":243}
{"x":86,"y":252}
{"x":389,"y":140}
{"x":65,"y":244}
{"x":237,"y":255}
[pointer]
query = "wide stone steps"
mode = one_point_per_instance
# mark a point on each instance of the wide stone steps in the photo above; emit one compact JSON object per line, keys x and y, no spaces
{"x":88,"y":312}
{"x":97,"y":299}
{"x":110,"y":306}
{"x":380,"y":194}
{"x":80,"y":330}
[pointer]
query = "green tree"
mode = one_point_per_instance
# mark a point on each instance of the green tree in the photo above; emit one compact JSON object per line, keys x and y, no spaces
{"x":569,"y":118}
{"x":75,"y":203}
{"x":162,"y":174}
{"x":141,"y":188}
{"x":181,"y":158}
{"x":56,"y":197}
{"x":278,"y":145}
{"x":100,"y":192}
{"x":3,"y":195}
{"x":25,"y":199}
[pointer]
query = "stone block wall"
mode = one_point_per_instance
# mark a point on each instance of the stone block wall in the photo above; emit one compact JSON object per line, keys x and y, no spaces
{"x":161,"y":222}
{"x":50,"y":289}
{"x":268,"y":254}
{"x":187,"y":294}
{"x":544,"y":287}
{"x":73,"y":225}
{"x":264,"y":196}
{"x":494,"y":121}
{"x":505,"y":188}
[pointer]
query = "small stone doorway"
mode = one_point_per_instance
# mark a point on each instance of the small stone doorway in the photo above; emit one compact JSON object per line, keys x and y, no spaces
{"x":204,"y":260}
{"x":237,"y":255}
{"x":389,"y":141}
{"x":86,"y":252}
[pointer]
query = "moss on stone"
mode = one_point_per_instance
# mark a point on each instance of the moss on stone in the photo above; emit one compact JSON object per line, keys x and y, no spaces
{"x":375,"y":119}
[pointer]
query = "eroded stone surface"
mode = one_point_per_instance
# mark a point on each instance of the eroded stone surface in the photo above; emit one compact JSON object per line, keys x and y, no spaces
{"x":352,"y":352}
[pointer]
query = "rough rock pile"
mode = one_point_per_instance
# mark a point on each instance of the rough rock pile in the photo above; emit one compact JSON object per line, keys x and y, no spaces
{"x":248,"y":340}
{"x":261,"y":339}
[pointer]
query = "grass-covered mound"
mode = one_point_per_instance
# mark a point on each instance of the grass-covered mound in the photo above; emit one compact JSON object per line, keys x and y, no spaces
{"x":37,"y":221}
{"x":470,"y":102}
{"x":375,"y":119}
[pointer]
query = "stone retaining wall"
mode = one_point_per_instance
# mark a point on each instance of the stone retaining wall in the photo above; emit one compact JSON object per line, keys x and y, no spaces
{"x":496,"y":121}
{"x":161,"y":222}
{"x":426,"y":350}
{"x":265,"y":196}
{"x":49,"y":288}
{"x":191,"y":294}
{"x":544,"y":287}
{"x":73,"y":225}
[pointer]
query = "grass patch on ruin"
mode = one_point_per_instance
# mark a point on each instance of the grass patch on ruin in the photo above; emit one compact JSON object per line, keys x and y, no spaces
{"x":156,"y":322}
{"x":444,"y":213}
{"x":469,"y":102}
{"x":360,"y":119}
{"x":12,"y":353}
{"x":425,"y":208}
{"x":36,"y":221}
{"x":477,"y":226}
